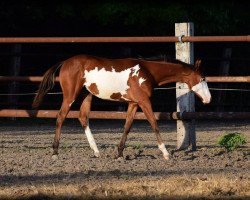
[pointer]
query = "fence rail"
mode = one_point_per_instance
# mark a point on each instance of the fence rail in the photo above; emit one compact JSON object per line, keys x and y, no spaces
{"x":122,"y":115}
{"x":213,"y":79}
{"x":245,"y":38}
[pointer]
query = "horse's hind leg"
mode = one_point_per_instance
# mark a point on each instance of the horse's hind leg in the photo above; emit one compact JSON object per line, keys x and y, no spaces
{"x":83,"y":118}
{"x":132,"y":108}
{"x":70,"y":92}
{"x":60,"y":119}
{"x":147,"y":110}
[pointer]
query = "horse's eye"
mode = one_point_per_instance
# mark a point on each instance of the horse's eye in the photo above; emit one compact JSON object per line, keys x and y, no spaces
{"x":202,"y":79}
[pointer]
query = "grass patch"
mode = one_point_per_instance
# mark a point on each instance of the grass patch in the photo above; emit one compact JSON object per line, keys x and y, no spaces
{"x":137,"y":146}
{"x":231,"y":141}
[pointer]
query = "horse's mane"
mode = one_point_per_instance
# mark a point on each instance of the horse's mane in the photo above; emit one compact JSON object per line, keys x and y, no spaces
{"x":165,"y":59}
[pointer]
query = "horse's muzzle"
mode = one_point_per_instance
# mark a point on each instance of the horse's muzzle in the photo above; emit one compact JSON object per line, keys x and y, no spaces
{"x":206,"y":101}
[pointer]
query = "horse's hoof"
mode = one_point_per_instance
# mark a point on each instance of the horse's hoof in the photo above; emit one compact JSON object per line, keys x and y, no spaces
{"x":166,"y":157}
{"x":97,"y":154}
{"x":54,"y":157}
{"x":116,"y":157}
{"x":119,"y":158}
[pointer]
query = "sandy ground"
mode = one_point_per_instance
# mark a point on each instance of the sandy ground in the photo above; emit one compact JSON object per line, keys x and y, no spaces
{"x":27,"y":170}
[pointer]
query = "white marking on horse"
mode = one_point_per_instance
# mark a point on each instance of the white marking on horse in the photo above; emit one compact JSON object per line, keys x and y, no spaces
{"x":164,"y":151}
{"x":136,"y":73}
{"x":141,"y":80}
{"x":110,"y":82}
{"x":135,"y":70}
{"x":91,"y":141}
{"x":71,"y":103}
{"x":202,"y":90}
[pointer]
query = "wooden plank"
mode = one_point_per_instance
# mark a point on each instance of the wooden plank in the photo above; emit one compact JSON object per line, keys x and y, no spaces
{"x":244,"y":38}
{"x":122,"y":115}
{"x":211,"y":79}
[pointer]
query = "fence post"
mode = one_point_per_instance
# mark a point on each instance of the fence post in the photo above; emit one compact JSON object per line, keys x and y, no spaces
{"x":224,"y":71}
{"x":185,"y":99}
{"x":14,"y":70}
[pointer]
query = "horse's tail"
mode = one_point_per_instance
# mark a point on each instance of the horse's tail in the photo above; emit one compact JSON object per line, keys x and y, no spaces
{"x":47,"y":84}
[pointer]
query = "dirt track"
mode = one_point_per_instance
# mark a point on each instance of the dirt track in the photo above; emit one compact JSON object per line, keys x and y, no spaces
{"x":27,"y":169}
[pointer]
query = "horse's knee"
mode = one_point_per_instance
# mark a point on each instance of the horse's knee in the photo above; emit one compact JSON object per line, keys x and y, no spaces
{"x":83,"y":121}
{"x":59,"y":122}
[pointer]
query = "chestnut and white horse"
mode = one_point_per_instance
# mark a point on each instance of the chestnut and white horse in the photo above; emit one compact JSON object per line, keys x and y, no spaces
{"x":129,"y":80}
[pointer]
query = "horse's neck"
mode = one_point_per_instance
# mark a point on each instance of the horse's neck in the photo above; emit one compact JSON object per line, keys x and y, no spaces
{"x":165,"y":72}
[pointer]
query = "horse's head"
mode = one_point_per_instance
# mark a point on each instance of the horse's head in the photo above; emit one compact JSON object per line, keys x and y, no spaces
{"x":197,"y":83}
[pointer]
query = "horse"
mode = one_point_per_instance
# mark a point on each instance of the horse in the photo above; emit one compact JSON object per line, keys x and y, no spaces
{"x":129,"y":80}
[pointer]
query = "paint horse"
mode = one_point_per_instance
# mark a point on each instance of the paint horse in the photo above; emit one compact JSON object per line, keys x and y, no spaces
{"x":129,"y":80}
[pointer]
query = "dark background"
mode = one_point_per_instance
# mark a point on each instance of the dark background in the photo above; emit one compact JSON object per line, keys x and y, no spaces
{"x":123,"y":18}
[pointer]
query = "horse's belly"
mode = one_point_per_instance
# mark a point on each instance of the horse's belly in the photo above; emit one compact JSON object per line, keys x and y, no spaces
{"x":108,"y":92}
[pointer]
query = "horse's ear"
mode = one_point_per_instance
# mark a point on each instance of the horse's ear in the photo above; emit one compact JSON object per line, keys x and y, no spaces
{"x":197,"y":65}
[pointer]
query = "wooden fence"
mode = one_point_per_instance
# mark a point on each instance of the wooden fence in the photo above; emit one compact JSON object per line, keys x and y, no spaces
{"x":184,"y":51}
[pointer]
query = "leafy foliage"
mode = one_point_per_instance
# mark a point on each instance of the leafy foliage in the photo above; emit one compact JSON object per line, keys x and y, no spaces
{"x":122,"y":17}
{"x":231,"y":141}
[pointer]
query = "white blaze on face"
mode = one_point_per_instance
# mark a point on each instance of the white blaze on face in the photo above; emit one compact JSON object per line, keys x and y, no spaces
{"x":202,"y":90}
{"x":110,"y":82}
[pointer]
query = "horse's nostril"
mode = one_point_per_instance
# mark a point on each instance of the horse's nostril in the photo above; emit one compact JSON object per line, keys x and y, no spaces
{"x":206,"y":101}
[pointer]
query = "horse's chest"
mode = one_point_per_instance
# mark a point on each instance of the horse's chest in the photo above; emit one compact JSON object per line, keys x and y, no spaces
{"x":110,"y":85}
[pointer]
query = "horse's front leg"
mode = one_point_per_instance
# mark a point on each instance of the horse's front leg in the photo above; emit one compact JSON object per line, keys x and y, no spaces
{"x":146,"y":107}
{"x":132,"y":108}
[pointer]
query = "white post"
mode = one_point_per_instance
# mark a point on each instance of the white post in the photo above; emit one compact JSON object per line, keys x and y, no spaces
{"x":185,"y":98}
